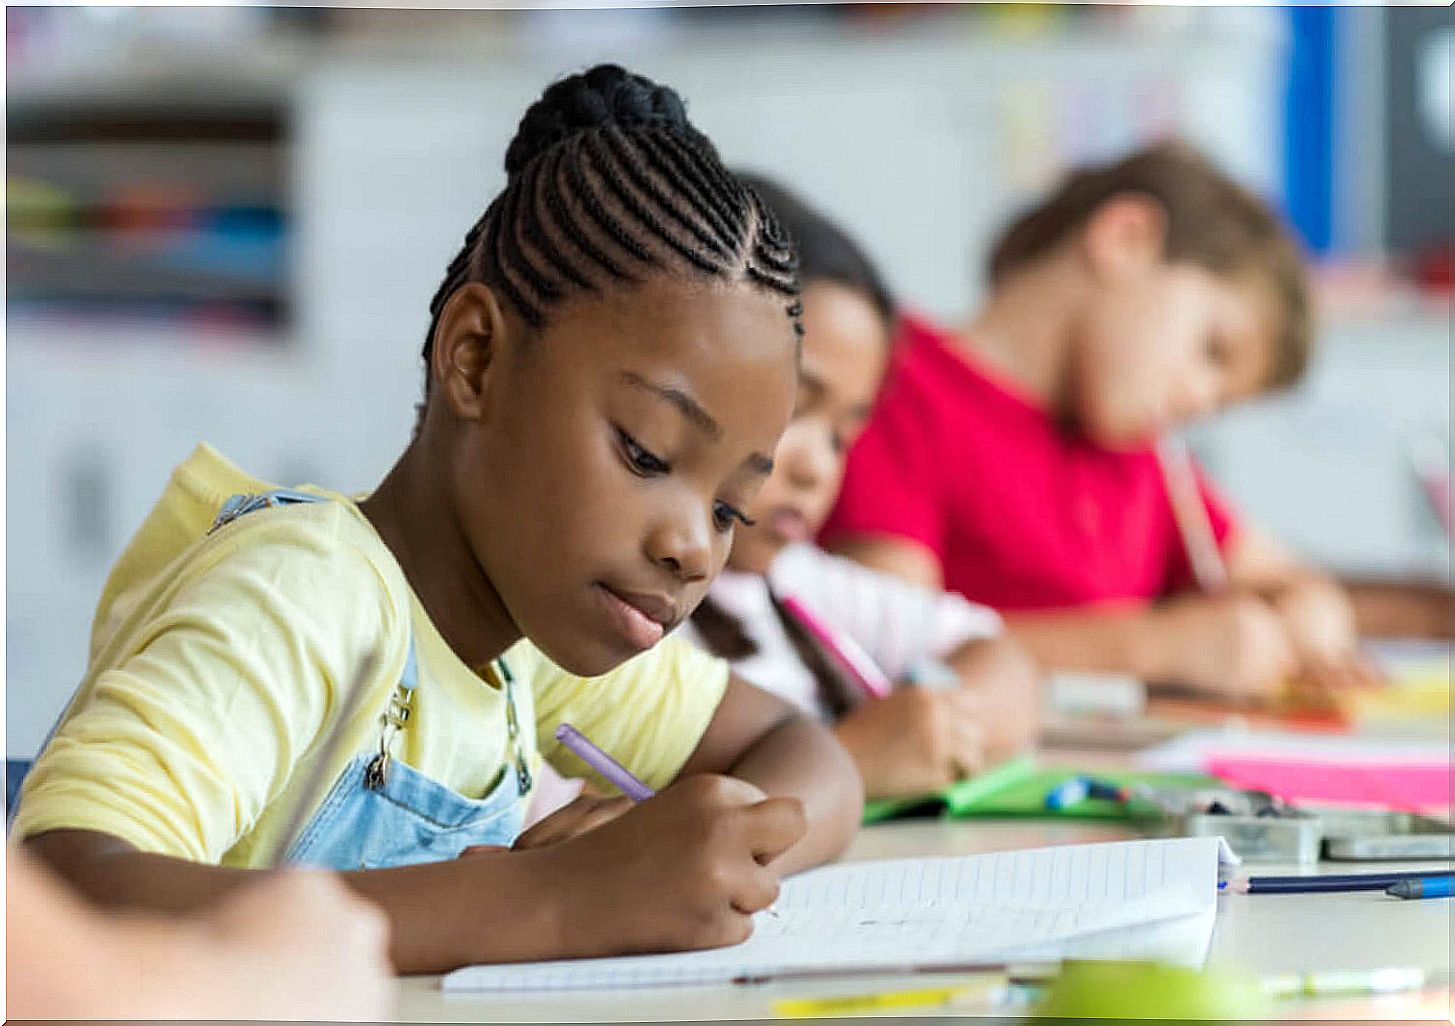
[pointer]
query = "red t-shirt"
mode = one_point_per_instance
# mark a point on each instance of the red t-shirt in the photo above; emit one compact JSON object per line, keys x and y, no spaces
{"x":1021,"y":513}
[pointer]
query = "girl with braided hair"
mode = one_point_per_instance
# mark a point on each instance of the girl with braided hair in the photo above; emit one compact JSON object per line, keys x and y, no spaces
{"x":611,"y":360}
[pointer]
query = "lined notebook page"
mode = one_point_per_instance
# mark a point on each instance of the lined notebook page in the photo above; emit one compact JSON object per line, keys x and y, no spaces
{"x":1097,"y":900}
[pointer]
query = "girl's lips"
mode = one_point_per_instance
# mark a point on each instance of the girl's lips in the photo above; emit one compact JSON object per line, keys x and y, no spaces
{"x":788,"y":524}
{"x":640,"y":628}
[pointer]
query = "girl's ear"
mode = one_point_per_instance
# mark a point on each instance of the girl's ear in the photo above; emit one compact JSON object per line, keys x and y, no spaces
{"x":467,"y":344}
{"x":1127,"y":234}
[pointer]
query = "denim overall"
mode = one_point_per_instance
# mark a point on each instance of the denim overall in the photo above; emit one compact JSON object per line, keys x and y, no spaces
{"x":381,"y":812}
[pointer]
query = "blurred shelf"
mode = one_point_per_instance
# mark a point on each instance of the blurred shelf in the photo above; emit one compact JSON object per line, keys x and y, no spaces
{"x":112,"y":267}
{"x":152,"y":189}
{"x":40,"y":334}
{"x":90,"y":172}
{"x":113,"y":120}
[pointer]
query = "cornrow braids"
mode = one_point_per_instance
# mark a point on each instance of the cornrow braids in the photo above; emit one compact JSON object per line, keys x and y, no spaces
{"x":643,"y":183}
{"x":826,"y":252}
{"x":607,"y":181}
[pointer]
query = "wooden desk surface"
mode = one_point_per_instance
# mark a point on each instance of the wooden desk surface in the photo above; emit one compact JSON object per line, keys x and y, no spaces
{"x":1263,"y":934}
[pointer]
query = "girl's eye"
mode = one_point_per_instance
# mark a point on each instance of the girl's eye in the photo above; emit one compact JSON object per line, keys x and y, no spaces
{"x":725,"y":516}
{"x":1217,"y":352}
{"x":641,"y":461}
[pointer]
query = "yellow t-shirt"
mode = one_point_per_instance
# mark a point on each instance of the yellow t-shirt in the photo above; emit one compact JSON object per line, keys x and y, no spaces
{"x":217,"y":661}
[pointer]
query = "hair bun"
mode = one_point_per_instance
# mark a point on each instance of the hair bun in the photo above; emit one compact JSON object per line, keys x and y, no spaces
{"x":605,"y":95}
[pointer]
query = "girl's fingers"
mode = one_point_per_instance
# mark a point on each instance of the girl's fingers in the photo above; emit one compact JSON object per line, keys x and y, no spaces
{"x":607,"y":810}
{"x":757,"y":892}
{"x":560,"y":825}
{"x":777,"y":824}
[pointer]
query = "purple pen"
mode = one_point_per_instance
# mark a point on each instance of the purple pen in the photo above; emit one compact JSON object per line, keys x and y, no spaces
{"x":603,"y":763}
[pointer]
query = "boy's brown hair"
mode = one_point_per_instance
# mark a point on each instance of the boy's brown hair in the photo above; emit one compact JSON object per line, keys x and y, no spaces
{"x":1212,"y":221}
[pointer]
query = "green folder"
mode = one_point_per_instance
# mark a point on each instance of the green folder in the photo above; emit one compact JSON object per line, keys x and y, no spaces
{"x":1018,"y":789}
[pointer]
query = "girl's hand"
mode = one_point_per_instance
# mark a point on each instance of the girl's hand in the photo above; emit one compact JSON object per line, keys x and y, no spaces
{"x":587,"y":812}
{"x":683,"y":870}
{"x":1006,"y":678}
{"x":1233,"y":645}
{"x":916,"y":741}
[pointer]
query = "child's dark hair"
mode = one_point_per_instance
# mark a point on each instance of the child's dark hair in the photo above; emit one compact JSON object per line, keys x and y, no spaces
{"x":608,"y":181}
{"x":1212,"y":221}
{"x":825,"y":251}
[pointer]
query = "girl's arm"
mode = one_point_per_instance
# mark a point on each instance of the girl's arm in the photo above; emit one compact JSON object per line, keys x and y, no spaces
{"x":759,"y":738}
{"x":685,"y":870}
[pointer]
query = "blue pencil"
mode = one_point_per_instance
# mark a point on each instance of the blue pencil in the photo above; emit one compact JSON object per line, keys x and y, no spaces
{"x":1333,"y":882}
{"x":1440,"y":886}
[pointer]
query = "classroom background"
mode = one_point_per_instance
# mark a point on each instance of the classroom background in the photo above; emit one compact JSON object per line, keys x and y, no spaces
{"x":225,"y":224}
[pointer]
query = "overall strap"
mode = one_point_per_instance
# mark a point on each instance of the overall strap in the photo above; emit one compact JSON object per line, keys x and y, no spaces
{"x":240,"y":505}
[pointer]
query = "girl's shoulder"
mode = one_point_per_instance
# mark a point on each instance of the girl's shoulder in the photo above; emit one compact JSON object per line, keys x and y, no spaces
{"x":318,"y":545}
{"x":807,"y":567}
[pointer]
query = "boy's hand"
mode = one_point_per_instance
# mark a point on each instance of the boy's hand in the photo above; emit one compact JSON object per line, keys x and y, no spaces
{"x":683,"y":870}
{"x":916,"y":741}
{"x":1320,"y":624}
{"x":1234,"y":645}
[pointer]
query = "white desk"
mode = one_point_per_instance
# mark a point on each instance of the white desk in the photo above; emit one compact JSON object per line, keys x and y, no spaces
{"x":1261,"y":933}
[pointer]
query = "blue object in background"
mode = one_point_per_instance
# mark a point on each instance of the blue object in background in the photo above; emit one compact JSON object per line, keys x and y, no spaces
{"x":1434,"y":886}
{"x":1308,"y":125}
{"x":1072,"y":791}
{"x":15,"y":771}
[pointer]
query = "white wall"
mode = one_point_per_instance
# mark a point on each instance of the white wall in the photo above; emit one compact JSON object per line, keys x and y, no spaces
{"x":1328,"y":468}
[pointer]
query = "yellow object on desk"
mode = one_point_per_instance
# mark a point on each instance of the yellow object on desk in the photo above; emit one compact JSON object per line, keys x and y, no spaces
{"x":1412,"y":696}
{"x":1417,"y":691}
{"x":984,"y":992}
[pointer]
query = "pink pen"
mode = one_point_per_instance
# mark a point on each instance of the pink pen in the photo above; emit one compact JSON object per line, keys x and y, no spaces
{"x":602,"y":763}
{"x":843,"y":648}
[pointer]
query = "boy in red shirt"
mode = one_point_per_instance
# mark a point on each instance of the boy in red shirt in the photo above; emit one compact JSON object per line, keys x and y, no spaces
{"x":1013,"y":459}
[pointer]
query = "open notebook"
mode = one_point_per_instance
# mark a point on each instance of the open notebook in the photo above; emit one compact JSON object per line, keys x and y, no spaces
{"x":1135,"y":899}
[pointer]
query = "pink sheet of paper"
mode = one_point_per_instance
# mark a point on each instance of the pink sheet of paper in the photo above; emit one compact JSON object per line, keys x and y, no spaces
{"x":1421,"y":786}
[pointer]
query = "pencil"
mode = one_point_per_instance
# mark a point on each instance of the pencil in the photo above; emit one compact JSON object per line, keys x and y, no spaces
{"x":1437,"y":886}
{"x":1332,"y":882}
{"x":888,"y":1002}
{"x":613,"y":771}
{"x":1325,"y":983}
{"x":1190,"y":512}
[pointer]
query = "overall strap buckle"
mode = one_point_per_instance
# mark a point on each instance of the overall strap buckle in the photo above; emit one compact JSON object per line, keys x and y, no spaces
{"x":240,"y":505}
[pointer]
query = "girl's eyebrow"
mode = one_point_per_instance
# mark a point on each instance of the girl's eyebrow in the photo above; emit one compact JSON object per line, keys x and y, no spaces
{"x":685,"y":403}
{"x":759,"y":463}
